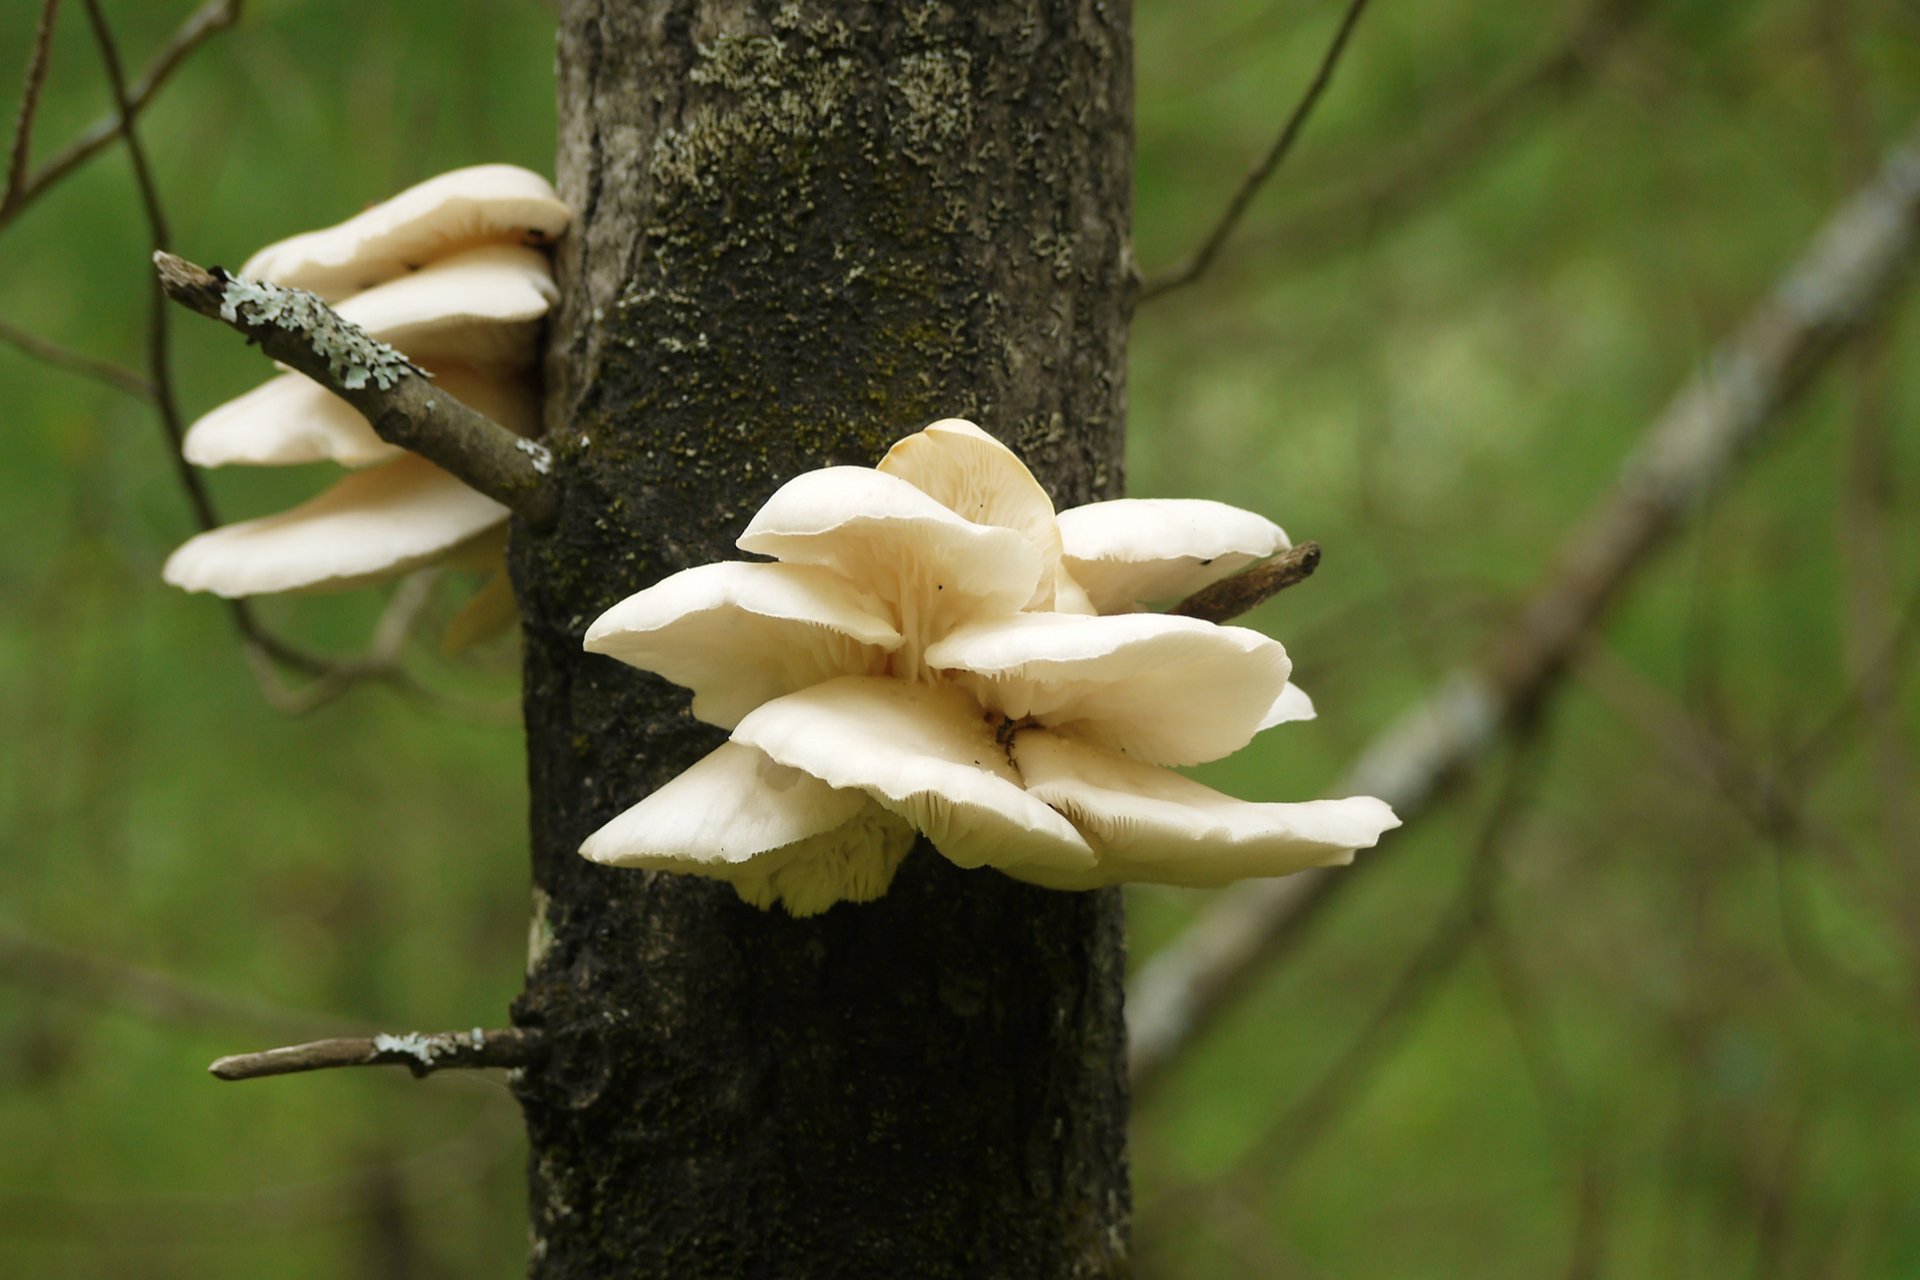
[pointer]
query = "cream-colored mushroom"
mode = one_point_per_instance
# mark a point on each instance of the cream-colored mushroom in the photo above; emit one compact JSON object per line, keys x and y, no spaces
{"x":1292,"y":705}
{"x":292,"y":419}
{"x":1134,"y":551}
{"x":924,"y":752}
{"x":372,"y":524}
{"x":1161,"y":689}
{"x":489,"y":203}
{"x":934,"y":568}
{"x":1151,"y":824}
{"x":481,"y":307}
{"x":740,"y":634}
{"x":775,"y":833}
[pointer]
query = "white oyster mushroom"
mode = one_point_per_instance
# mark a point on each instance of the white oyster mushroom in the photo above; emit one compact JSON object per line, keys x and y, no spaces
{"x":1172,"y":690}
{"x":1148,"y":823}
{"x":742,"y":634}
{"x":483,"y":204}
{"x":373,"y":524}
{"x":1133,"y":551}
{"x":293,"y":419}
{"x":446,"y":272}
{"x":900,"y":652}
{"x":481,"y":307}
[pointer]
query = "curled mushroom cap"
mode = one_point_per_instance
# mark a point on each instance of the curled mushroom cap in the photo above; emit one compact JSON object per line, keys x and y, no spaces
{"x":1132,"y":551}
{"x":1151,"y":824}
{"x":924,"y":752}
{"x":740,"y":634}
{"x":293,"y":419}
{"x":775,"y":833}
{"x":1292,"y":705}
{"x":372,"y":524}
{"x":454,"y":211}
{"x":1163,"y":689}
{"x":932,"y":566}
{"x":481,"y":307}
{"x":974,"y":476}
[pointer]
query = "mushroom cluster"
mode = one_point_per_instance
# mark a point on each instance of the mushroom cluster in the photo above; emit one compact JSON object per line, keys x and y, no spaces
{"x":453,"y":274}
{"x":930,"y":650}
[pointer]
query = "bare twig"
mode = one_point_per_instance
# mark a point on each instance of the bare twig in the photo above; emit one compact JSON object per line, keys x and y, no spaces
{"x":203,"y":23}
{"x":1195,"y":264}
{"x":404,"y":406}
{"x":1231,"y":597}
{"x":76,"y":362}
{"x":36,"y":80}
{"x":1831,"y":295}
{"x":1368,"y":204}
{"x":418,"y":1053}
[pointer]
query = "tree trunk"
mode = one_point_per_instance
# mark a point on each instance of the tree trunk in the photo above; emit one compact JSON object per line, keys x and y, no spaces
{"x":806,"y":229}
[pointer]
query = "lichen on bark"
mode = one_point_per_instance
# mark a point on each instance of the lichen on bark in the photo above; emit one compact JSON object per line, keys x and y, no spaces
{"x":805,"y":230}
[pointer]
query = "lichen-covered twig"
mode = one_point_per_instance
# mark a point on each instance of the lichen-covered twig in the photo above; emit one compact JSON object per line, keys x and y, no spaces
{"x":418,"y":1052}
{"x":1231,"y":597}
{"x":1195,"y":264}
{"x":1831,"y":295}
{"x":404,"y":406}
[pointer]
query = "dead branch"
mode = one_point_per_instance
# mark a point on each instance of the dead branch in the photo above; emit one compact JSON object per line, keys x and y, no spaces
{"x":35,"y":81}
{"x":1231,"y":597}
{"x":205,"y":22}
{"x":1372,"y":202}
{"x":1836,"y":289}
{"x":404,"y":406}
{"x":421,"y":1054}
{"x":1195,"y":264}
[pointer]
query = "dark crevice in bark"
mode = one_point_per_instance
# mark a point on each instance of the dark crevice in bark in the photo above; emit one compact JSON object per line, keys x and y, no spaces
{"x":806,"y":230}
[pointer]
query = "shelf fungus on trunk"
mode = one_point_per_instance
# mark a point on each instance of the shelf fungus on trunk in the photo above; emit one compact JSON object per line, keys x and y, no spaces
{"x":923,"y":656}
{"x":451,"y":273}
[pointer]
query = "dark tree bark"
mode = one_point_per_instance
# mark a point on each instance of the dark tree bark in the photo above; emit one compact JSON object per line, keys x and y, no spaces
{"x":805,"y":229}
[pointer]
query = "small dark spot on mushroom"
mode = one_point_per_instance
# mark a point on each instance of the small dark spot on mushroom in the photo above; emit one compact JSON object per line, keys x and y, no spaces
{"x":1208,"y":560}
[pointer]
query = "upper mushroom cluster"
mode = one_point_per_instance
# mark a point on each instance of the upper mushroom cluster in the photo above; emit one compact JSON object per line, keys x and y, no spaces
{"x":452,"y":273}
{"x":931,"y":650}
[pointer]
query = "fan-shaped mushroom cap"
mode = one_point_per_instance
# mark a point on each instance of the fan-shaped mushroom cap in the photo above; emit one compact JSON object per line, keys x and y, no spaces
{"x":1163,"y":689}
{"x":373,"y":524}
{"x":481,"y":307}
{"x":886,"y":536}
{"x":739,"y":634}
{"x":1292,"y":704}
{"x":457,"y":210}
{"x":925,"y":752}
{"x":1151,"y":824}
{"x":1133,"y":550}
{"x":293,"y":419}
{"x":973,"y":475}
{"x":778,"y":834}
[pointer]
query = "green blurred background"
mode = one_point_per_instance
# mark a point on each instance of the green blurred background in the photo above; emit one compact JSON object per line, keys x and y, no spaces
{"x":1684,"y":1043}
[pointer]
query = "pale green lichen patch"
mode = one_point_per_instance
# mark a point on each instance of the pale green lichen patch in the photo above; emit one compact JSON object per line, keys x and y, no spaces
{"x":936,"y":89}
{"x":354,"y":357}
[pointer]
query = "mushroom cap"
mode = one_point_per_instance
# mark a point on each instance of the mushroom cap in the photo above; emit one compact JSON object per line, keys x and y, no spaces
{"x":776,"y":833}
{"x":371,"y":525}
{"x":732,"y":805}
{"x":454,"y":211}
{"x":974,"y":476}
{"x":740,"y":634}
{"x":1151,"y":824}
{"x":293,"y":419}
{"x":480,"y":307}
{"x":886,"y":536}
{"x":1135,"y":550}
{"x":1163,"y":689}
{"x":1292,"y":704}
{"x":925,"y":752}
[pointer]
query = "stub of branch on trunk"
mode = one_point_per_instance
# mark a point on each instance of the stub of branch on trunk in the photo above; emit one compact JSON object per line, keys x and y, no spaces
{"x":1231,"y":597}
{"x":419,"y":1053}
{"x":397,"y":397}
